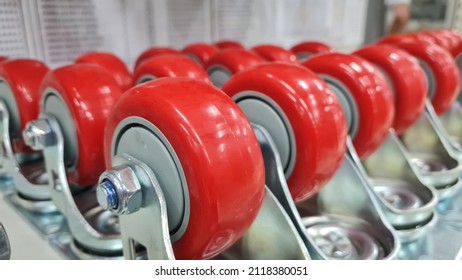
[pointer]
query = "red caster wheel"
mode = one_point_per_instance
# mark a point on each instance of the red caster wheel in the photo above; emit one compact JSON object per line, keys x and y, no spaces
{"x":3,"y":58}
{"x":200,"y":52}
{"x":303,"y":117}
{"x":407,"y":79}
{"x":409,"y":37}
{"x":207,"y":160}
{"x":441,"y":70}
{"x":155,"y":51}
{"x":274,"y":53}
{"x":439,"y":39}
{"x":21,"y":95}
{"x":80,"y":97}
{"x":171,"y":65}
{"x":111,"y":63}
{"x":228,"y":44}
{"x":309,"y":48}
{"x":226,"y":63}
{"x":361,"y":87}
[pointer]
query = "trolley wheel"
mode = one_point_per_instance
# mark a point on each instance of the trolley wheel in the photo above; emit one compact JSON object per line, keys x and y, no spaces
{"x":441,"y":70}
{"x":407,"y":79}
{"x":221,"y":66}
{"x":367,"y":93}
{"x":303,"y":117}
{"x":306,"y":49}
{"x":274,"y":53}
{"x":80,"y":97}
{"x":111,"y":63}
{"x":204,"y":154}
{"x":171,"y":65}
{"x":200,"y":52}
{"x":19,"y":88}
{"x":155,"y":51}
{"x":228,"y":44}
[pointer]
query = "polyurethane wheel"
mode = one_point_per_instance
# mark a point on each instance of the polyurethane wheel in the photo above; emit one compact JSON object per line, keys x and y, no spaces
{"x":408,"y":37}
{"x":441,"y":70}
{"x":111,"y":63}
{"x":367,"y":93}
{"x":171,"y":65}
{"x":274,"y":53}
{"x":80,"y":97}
{"x":155,"y":51}
{"x":302,"y":115}
{"x":228,"y":44}
{"x":221,"y":66}
{"x":19,"y":88}
{"x":200,"y":52}
{"x":407,"y":79}
{"x":204,"y":154}
{"x":306,"y":49}
{"x":440,"y":39}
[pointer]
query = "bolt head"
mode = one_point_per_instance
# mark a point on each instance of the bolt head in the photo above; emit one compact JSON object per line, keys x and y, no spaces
{"x":38,"y":134}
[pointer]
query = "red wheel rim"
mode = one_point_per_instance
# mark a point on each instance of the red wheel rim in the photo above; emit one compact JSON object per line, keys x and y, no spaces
{"x":370,"y":91}
{"x":308,"y":48}
{"x":155,"y":51}
{"x":218,"y":151}
{"x":314,"y":114}
{"x":170,"y":66}
{"x":200,"y":52}
{"x":274,"y":53}
{"x":442,"y":67}
{"x":111,"y":63}
{"x":23,"y":77}
{"x":228,"y":44}
{"x":89,"y":93}
{"x":407,"y":78}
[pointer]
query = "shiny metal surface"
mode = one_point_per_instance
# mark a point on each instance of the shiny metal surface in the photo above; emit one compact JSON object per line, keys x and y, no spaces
{"x":406,"y":201}
{"x":149,"y":225}
{"x":5,"y":250}
{"x":346,"y":196}
{"x":85,"y":234}
{"x":272,"y":236}
{"x":29,"y":180}
{"x":430,"y":149}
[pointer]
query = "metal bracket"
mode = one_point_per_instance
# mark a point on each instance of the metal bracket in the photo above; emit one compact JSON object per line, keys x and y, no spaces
{"x":272,"y":236}
{"x":5,"y":250}
{"x":431,"y":151}
{"x":104,"y":242}
{"x":29,"y":179}
{"x":408,"y":204}
{"x":148,"y":226}
{"x":358,"y":209}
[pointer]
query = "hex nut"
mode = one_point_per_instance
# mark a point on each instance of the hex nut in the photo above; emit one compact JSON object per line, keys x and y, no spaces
{"x":127,"y":187}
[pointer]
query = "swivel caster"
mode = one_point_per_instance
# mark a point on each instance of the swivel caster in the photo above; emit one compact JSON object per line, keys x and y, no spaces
{"x":186,"y":177}
{"x":274,"y":53}
{"x":306,"y":49}
{"x":111,"y":63}
{"x":221,"y":66}
{"x":200,"y":52}
{"x":75,"y":103}
{"x":228,"y":44}
{"x":302,"y":132}
{"x":154,"y":51}
{"x":171,"y":65}
{"x":19,"y":98}
{"x":5,"y":250}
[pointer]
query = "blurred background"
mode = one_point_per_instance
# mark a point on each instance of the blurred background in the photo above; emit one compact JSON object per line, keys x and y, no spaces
{"x":57,"y":31}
